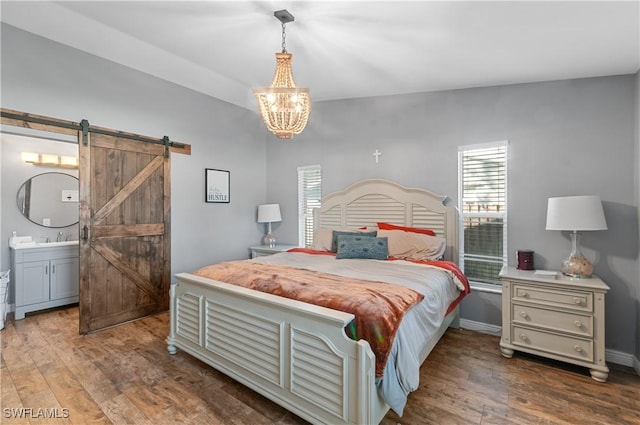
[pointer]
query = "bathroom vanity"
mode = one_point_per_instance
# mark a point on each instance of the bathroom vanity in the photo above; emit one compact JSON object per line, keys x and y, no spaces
{"x":45,"y":275}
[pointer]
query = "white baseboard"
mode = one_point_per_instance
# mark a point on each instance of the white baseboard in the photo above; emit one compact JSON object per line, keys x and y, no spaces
{"x":481,"y":327}
{"x":618,"y":357}
{"x":611,"y":356}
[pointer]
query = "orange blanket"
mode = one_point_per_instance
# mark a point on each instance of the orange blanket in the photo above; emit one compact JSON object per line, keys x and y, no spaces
{"x":378,"y":307}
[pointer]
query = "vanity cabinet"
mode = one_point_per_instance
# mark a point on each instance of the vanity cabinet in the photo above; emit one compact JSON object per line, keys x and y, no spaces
{"x":44,"y":277}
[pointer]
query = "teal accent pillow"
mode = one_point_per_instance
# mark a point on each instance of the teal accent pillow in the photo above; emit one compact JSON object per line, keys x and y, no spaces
{"x":362,"y":247}
{"x":336,"y":233}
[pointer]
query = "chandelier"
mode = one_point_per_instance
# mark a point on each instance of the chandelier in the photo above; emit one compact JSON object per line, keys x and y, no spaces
{"x":283,"y":106}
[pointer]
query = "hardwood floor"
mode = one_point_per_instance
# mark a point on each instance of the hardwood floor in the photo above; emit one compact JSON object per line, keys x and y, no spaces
{"x":124,"y":375}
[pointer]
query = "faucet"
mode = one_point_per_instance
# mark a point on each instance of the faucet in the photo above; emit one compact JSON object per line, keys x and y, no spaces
{"x":60,"y":237}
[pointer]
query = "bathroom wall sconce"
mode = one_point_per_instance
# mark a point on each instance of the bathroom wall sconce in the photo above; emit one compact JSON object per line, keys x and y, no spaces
{"x":48,"y":160}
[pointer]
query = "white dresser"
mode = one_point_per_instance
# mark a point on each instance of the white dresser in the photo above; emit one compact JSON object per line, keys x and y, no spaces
{"x":560,"y":318}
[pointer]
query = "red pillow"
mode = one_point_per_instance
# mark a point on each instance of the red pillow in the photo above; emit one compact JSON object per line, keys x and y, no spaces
{"x":389,"y":226}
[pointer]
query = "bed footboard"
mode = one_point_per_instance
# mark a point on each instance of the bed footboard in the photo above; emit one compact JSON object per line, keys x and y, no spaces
{"x":293,"y":353}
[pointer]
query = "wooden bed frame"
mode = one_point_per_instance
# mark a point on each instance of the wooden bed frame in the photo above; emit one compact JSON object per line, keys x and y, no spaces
{"x":294,"y":353}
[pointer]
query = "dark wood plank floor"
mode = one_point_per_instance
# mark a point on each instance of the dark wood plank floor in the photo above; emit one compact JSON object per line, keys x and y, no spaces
{"x":124,"y":375}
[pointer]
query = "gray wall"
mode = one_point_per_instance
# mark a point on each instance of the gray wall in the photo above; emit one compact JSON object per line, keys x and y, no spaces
{"x":569,"y":137}
{"x":47,"y":78}
{"x":637,"y":180}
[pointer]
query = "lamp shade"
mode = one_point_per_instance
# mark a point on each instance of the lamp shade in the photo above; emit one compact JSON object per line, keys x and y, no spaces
{"x":269,"y":213}
{"x":576,"y":213}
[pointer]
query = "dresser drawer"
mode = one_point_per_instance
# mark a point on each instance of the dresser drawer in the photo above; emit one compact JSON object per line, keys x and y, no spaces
{"x":577,"y":300}
{"x":552,"y":319}
{"x":562,"y":345}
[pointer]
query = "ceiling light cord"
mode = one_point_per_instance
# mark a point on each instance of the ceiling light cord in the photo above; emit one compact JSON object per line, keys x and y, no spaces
{"x":284,"y":38}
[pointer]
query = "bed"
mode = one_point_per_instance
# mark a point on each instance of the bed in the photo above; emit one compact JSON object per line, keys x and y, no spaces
{"x":297,"y":354}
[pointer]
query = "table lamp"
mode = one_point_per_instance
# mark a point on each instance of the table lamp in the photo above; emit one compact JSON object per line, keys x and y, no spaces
{"x":576,"y":214}
{"x":269,"y":213}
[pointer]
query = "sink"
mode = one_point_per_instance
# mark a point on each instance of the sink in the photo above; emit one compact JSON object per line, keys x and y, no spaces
{"x":26,"y":242}
{"x":32,"y":245}
{"x":48,"y":244}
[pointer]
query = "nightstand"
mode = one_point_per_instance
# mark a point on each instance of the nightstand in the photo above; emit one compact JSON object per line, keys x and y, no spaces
{"x":262,"y":250}
{"x":556,"y":317}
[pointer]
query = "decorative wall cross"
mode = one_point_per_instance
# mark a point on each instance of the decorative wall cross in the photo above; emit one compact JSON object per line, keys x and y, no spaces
{"x":377,"y":154}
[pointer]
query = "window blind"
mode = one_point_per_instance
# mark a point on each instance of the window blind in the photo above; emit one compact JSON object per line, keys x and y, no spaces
{"x":309,"y":196}
{"x":483,"y":205}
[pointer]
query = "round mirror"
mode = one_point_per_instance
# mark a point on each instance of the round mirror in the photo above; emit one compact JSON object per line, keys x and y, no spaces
{"x":50,"y":199}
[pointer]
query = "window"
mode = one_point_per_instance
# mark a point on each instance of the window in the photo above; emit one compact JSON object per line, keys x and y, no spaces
{"x":483,"y":204}
{"x":309,"y":194}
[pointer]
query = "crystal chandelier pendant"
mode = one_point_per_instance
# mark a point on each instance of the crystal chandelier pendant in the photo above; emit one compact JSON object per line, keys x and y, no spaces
{"x":284,"y":107}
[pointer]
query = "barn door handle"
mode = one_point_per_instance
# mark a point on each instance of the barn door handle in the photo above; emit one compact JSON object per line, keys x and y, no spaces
{"x":85,"y":233}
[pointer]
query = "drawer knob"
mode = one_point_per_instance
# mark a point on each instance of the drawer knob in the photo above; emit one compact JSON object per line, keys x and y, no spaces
{"x":578,"y":349}
{"x":524,"y":315}
{"x":578,"y":324}
{"x":525,"y":294}
{"x":523,"y":337}
{"x":577,"y":301}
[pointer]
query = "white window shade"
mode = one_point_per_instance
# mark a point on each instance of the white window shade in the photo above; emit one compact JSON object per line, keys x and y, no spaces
{"x":483,"y":206}
{"x":309,"y":196}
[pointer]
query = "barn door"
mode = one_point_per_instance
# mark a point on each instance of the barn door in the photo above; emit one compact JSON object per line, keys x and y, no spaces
{"x":124,"y":229}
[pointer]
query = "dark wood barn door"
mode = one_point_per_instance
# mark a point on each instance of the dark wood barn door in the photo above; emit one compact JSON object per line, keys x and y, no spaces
{"x":125,"y":255}
{"x":125,"y":212}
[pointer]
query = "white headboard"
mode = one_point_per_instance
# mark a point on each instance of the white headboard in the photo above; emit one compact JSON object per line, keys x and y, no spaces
{"x":366,"y":202}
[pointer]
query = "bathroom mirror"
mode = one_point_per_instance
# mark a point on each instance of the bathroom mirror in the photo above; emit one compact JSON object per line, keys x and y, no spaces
{"x":50,"y":199}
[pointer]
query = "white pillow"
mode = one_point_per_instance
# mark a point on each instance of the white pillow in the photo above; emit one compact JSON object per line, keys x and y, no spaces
{"x":414,"y":246}
{"x":323,"y":238}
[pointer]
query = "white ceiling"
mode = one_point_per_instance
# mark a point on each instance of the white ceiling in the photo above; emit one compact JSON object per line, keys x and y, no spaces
{"x":346,"y":49}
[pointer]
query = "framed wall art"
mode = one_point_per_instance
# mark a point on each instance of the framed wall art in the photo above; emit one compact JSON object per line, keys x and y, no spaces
{"x":216,"y":185}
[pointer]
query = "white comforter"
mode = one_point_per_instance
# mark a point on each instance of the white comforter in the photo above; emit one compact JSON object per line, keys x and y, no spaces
{"x":401,"y":375}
